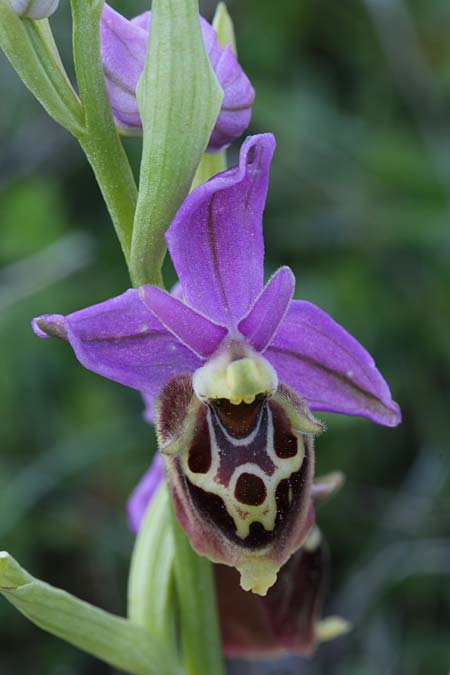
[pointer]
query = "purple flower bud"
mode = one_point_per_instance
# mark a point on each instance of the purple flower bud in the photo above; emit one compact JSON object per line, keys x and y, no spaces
{"x":34,"y":9}
{"x":123,"y":48}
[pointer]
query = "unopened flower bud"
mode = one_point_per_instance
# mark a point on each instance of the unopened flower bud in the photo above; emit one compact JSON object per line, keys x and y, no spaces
{"x":34,"y":9}
{"x":123,"y":50}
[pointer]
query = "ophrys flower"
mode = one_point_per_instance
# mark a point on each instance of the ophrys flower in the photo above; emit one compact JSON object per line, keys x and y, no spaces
{"x":235,"y":368}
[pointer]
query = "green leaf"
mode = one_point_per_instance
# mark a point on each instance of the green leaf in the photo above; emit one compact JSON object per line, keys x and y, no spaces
{"x":30,"y":48}
{"x":110,"y":638}
{"x":151,"y":598}
{"x":179,"y":101}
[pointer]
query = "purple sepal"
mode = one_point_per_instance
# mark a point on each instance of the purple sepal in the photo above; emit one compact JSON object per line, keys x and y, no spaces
{"x":269,"y":310}
{"x":123,"y":341}
{"x":144,"y":492}
{"x":326,"y":365}
{"x":195,"y":331}
{"x":219,"y":226}
{"x":123,"y":50}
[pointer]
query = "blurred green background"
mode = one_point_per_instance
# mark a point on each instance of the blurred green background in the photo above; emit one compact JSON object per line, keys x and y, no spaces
{"x":358,"y":95}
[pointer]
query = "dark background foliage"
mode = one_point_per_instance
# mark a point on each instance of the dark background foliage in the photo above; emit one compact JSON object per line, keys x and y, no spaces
{"x":357,"y":93}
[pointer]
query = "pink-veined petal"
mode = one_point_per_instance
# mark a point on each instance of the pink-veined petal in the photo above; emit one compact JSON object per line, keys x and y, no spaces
{"x":269,"y":310}
{"x":195,"y":331}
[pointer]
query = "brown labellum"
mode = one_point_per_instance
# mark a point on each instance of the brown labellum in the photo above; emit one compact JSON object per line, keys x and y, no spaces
{"x":240,"y":474}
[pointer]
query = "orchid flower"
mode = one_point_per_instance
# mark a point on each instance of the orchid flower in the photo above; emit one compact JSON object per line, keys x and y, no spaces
{"x":123,"y":49}
{"x":235,"y":368}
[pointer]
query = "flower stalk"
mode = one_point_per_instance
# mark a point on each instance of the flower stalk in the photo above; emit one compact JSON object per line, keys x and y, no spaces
{"x":151,"y":598}
{"x":202,"y":651}
{"x":99,"y":138}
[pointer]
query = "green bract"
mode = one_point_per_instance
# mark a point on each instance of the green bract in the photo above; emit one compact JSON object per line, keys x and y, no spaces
{"x":179,"y":101}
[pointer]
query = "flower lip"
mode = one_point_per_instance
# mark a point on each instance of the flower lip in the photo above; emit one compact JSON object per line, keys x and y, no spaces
{"x":236,"y":373}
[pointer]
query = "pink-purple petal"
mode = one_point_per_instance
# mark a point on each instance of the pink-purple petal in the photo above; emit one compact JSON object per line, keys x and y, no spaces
{"x":195,"y":331}
{"x":216,"y":241}
{"x":143,"y":493}
{"x":122,"y":340}
{"x":328,"y":367}
{"x":269,"y":310}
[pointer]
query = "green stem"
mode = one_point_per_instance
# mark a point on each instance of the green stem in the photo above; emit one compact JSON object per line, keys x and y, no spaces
{"x":196,"y":595}
{"x":150,"y":585}
{"x":100,"y":141}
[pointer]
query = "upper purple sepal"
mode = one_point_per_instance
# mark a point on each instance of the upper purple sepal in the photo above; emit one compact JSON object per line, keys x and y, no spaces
{"x":219,"y":226}
{"x":123,"y":50}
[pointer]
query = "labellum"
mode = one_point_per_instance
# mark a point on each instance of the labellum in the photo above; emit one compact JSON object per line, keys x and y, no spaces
{"x":241,"y":471}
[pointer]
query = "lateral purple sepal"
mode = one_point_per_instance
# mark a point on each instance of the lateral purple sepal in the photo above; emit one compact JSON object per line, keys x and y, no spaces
{"x":123,"y":341}
{"x":318,"y":358}
{"x":143,"y":494}
{"x":219,"y":228}
{"x":262,"y":321}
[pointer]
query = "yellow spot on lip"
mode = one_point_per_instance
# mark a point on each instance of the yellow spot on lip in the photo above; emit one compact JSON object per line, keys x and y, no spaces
{"x":257,"y":574}
{"x":235,"y":400}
